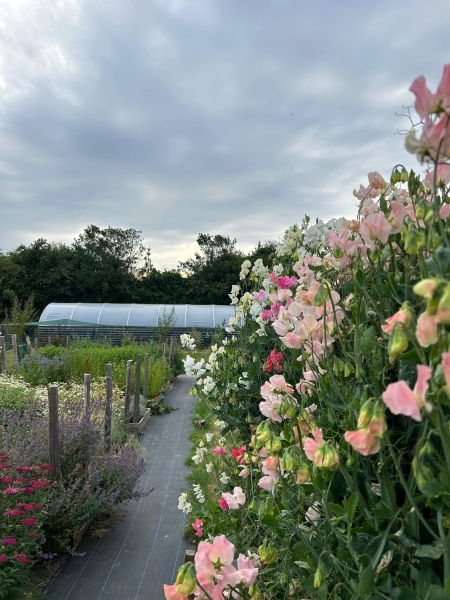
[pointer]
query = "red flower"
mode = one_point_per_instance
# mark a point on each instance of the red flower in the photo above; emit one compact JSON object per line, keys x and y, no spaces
{"x":21,"y":558}
{"x":3,"y":558}
{"x":274,"y":361}
{"x":223,"y":504}
{"x":29,"y":521}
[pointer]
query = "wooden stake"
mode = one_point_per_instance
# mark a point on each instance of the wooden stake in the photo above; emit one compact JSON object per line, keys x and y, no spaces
{"x":146,"y":364}
{"x":2,"y":354}
{"x":36,"y":345}
{"x":137,"y":388}
{"x":14,"y":345}
{"x":108,"y":410}
{"x":87,"y":395}
{"x":29,"y":346}
{"x":53,"y":430}
{"x":128,"y":383}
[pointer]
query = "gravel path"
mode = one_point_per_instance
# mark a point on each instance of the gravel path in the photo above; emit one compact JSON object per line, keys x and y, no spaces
{"x":145,"y":550}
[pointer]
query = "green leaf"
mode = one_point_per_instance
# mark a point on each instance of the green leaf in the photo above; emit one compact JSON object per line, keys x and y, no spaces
{"x":351,"y":504}
{"x":337,"y":509}
{"x":270,"y":521}
{"x":368,"y":342}
{"x":436,"y":592}
{"x":410,"y":356}
{"x":366,"y":584}
{"x":359,"y":276}
{"x":433,"y":550}
{"x":298,"y":366}
{"x":302,"y":564}
{"x":403,"y":594}
{"x":439,"y":261}
{"x":308,"y":584}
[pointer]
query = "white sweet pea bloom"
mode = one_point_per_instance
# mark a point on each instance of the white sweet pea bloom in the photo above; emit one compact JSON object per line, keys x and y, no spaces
{"x":209,"y":437}
{"x":224,"y":479}
{"x":209,"y":468}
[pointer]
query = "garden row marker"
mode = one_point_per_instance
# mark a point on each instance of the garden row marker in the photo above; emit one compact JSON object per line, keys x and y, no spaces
{"x":147,"y":358}
{"x":137,"y":388}
{"x":171,"y":353}
{"x":14,"y":345}
{"x":28,"y":341}
{"x":87,"y":395}
{"x":128,"y":391}
{"x":53,"y":430}
{"x":2,"y":354}
{"x":108,"y":411}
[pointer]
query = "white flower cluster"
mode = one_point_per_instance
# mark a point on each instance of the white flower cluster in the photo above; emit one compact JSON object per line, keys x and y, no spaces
{"x":209,"y":468}
{"x":199,"y":455}
{"x":193,"y":368}
{"x":187,"y":341}
{"x":184,"y":504}
{"x":296,"y":238}
{"x":245,"y":269}
{"x":198,"y":493}
{"x":244,"y":380}
{"x":209,"y":437}
{"x":234,"y":294}
{"x":215,"y":350}
{"x":224,"y":479}
{"x":260,"y":270}
{"x":208,"y":384}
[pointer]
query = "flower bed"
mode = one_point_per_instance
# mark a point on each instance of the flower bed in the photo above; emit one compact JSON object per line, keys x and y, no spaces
{"x":326,"y":460}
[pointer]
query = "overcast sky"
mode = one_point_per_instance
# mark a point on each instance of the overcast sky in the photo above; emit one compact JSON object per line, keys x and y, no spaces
{"x":217,"y":116}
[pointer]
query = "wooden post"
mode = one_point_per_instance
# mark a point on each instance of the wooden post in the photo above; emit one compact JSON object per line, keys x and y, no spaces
{"x":2,"y":354}
{"x":147,"y":360}
{"x":128,"y":381}
{"x":108,"y":410}
{"x":137,"y":388}
{"x":36,"y":345}
{"x":29,"y":346}
{"x":67,"y":341}
{"x":49,"y":340}
{"x":164,"y":352}
{"x":53,"y":429}
{"x":172,"y":352}
{"x":87,"y":395}
{"x":14,"y":345}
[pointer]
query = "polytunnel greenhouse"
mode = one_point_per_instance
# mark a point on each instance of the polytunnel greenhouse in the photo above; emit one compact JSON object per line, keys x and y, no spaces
{"x":112,"y":321}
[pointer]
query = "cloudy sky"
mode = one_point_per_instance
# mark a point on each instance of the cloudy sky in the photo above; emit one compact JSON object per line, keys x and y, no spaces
{"x":218,"y":116}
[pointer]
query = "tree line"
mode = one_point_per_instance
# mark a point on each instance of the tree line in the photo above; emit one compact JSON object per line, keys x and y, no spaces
{"x":114,"y":265}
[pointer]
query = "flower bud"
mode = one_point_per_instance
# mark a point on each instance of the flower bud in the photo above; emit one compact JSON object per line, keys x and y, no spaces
{"x":377,"y":425}
{"x":273,"y":444}
{"x":262,"y":433}
{"x":318,"y":576}
{"x":268,"y":554}
{"x":365,"y":414}
{"x":398,"y":343}
{"x":186,"y":581}
{"x":404,"y":175}
{"x":255,"y":592}
{"x":443,"y":309}
{"x":326,"y":456}
{"x":426,"y":288}
{"x":415,"y":241}
{"x":288,"y":461}
{"x":421,"y":210}
{"x":429,"y":216}
{"x":302,"y":473}
{"x":338,"y":253}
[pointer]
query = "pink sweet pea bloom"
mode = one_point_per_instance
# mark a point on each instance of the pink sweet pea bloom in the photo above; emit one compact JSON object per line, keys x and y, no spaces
{"x":261,"y":296}
{"x":220,"y":450}
{"x":376,"y":227}
{"x":402,"y":400}
{"x":425,"y":103}
{"x":235,"y":499}
{"x":363,"y":442}
{"x":266,"y":483}
{"x":310,"y":446}
{"x":426,"y":332}
{"x":245,"y":574}
{"x":444,"y":211}
{"x":402,"y":316}
{"x":446,"y":368}
{"x":171,"y":592}
{"x":223,"y":504}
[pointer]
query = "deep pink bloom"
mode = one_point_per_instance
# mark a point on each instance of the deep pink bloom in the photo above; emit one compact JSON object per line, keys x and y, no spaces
{"x":402,"y":400}
{"x":29,"y":522}
{"x":9,"y":540}
{"x":6,"y":480}
{"x":22,"y":558}
{"x":223,"y":504}
{"x":220,"y":450}
{"x":15,"y":512}
{"x":3,"y":558}
{"x":197,"y":526}
{"x":274,"y":361}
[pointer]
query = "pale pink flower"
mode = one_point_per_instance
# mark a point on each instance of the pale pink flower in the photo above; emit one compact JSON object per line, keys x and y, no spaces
{"x":236,"y":499}
{"x":244,"y":473}
{"x":220,"y":450}
{"x":446,"y":368}
{"x":444,"y":211}
{"x":397,"y":216}
{"x":246,"y":572}
{"x":266,"y":483}
{"x":402,"y":316}
{"x":401,"y":400}
{"x":362,"y":441}
{"x":375,"y":227}
{"x":425,"y":102}
{"x":427,"y":332}
{"x":310,"y":445}
{"x":261,"y":296}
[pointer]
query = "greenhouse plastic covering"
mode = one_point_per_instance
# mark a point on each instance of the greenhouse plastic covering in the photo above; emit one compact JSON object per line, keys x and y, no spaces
{"x":201,"y":316}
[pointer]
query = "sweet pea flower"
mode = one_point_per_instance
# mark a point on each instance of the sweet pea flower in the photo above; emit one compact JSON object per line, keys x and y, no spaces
{"x":376,"y":227}
{"x":427,"y":332}
{"x":401,"y":400}
{"x":446,"y":368}
{"x":246,"y":572}
{"x":310,"y":446}
{"x":402,"y":316}
{"x":235,"y":499}
{"x":266,"y":483}
{"x":220,"y":450}
{"x":363,"y":441}
{"x":223,"y":504}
